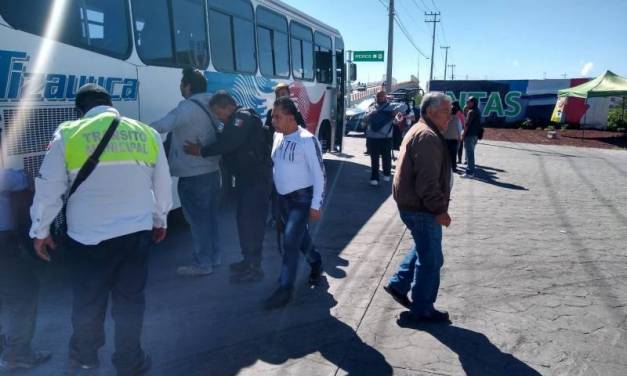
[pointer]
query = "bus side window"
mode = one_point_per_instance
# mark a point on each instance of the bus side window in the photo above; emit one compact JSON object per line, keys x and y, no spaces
{"x":154,"y":32}
{"x":190,"y":33}
{"x":272,"y":40}
{"x":232,"y":30}
{"x":96,"y":25}
{"x":324,"y":62}
{"x":302,"y":51}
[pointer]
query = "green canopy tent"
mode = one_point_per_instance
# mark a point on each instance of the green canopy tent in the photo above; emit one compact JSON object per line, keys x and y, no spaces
{"x":608,"y":84}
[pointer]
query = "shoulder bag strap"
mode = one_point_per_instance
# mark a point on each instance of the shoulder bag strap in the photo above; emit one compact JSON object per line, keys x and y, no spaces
{"x":94,"y":158}
{"x":202,"y":107}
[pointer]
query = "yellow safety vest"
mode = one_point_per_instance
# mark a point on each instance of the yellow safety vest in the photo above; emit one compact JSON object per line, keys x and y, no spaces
{"x":132,"y":142}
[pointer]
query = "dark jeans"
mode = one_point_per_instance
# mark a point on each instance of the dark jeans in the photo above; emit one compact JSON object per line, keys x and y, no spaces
{"x":253,"y":203}
{"x":380,"y":148}
{"x":460,"y":152}
{"x":118,"y":268}
{"x":469,"y":144}
{"x":420,"y":270}
{"x":19,"y":288}
{"x":294,"y":210}
{"x":200,"y":201}
{"x":453,"y":147}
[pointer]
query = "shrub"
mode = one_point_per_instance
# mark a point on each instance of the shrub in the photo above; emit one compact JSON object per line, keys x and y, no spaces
{"x":527,"y":124}
{"x":614,"y":119}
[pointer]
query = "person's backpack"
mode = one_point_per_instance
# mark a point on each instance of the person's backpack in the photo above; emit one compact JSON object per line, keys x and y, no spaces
{"x":264,"y":134}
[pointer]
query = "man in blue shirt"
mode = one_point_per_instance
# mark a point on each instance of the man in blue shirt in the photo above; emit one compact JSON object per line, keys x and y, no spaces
{"x":18,"y":284}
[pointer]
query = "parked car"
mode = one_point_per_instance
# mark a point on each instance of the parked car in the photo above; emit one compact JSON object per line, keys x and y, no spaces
{"x":356,"y":117}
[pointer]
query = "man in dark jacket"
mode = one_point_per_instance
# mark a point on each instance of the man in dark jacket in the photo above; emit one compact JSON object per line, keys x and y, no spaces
{"x":380,"y":121}
{"x":422,"y":189}
{"x":245,"y":146}
{"x":472,"y":131}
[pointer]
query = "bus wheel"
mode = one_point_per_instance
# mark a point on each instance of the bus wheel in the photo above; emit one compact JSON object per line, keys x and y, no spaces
{"x":324,"y":136}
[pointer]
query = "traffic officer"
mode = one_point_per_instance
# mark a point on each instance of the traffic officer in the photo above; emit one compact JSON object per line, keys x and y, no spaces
{"x":19,"y":286}
{"x":109,"y":221}
{"x":245,"y":148}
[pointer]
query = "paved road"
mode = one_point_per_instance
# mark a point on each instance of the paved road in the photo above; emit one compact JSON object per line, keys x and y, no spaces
{"x":535,"y":278}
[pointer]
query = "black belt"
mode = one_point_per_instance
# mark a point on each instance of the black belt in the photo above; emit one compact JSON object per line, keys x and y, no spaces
{"x":299,"y":193}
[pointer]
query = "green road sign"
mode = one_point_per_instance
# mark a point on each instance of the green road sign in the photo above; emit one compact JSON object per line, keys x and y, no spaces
{"x":367,"y":55}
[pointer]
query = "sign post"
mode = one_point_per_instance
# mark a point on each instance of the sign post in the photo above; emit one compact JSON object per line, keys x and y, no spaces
{"x":368,"y":56}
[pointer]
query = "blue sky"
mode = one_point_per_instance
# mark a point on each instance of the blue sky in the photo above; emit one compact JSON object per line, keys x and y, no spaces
{"x":494,"y":39}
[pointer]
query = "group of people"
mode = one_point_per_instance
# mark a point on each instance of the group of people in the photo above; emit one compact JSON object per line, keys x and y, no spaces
{"x":463,"y":132}
{"x":388,"y":123}
{"x":111,"y":177}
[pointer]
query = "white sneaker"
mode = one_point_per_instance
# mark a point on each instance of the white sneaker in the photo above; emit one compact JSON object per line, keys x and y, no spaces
{"x":193,"y":271}
{"x":374,"y":183}
{"x":387,"y":178}
{"x":467,"y":176}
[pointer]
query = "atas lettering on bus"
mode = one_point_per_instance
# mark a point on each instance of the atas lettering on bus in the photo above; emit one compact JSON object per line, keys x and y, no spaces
{"x":509,"y":106}
{"x":16,"y":83}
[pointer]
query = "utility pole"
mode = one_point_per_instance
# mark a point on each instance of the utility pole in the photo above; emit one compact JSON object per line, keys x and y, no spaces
{"x":418,"y":71}
{"x":434,"y":20}
{"x":445,"y":59}
{"x":388,"y":77}
{"x":452,"y":71}
{"x":564,"y":75}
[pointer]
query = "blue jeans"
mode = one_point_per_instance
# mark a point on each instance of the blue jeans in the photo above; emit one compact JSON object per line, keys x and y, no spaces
{"x":469,"y":144}
{"x":420,"y":270}
{"x":294,"y":210}
{"x":200,"y":200}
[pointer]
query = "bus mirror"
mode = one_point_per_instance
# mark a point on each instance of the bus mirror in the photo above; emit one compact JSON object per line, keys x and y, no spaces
{"x":353,"y":76}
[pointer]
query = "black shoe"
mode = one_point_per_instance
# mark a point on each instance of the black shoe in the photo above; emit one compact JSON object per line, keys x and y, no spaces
{"x":252,"y":274}
{"x":278,"y":299}
{"x":31,"y":361}
{"x":315,"y":274}
{"x":435,"y":316}
{"x":400,"y":298}
{"x":239,"y":267}
{"x":82,"y":364}
{"x":141,"y":368}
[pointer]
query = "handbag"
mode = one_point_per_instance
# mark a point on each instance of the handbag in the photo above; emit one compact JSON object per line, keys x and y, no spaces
{"x":60,"y":231}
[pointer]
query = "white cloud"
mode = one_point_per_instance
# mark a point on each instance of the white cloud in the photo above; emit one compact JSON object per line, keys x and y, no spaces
{"x":586,"y":68}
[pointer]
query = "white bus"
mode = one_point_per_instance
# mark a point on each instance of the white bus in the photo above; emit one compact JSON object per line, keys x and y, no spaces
{"x":136,"y":49}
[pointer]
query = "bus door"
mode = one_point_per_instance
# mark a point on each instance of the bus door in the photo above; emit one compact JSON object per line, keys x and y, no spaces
{"x":340,"y":84}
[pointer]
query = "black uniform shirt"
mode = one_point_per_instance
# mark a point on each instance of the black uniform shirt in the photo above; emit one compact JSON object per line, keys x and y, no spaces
{"x":240,"y":144}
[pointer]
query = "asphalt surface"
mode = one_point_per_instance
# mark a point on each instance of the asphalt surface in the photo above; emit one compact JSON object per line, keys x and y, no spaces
{"x":535,"y":280}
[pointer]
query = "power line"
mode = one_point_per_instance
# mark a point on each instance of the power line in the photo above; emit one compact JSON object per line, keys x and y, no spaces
{"x":414,"y":21}
{"x":407,"y":35}
{"x":443,"y":33}
{"x":417,"y":6}
{"x":434,"y":6}
{"x":423,"y":3}
{"x":384,"y":5}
